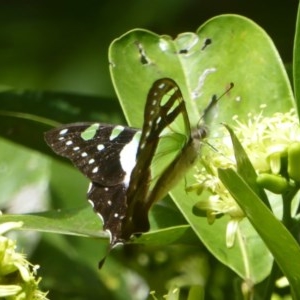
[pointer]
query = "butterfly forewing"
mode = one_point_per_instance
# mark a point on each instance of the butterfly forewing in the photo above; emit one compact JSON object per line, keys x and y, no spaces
{"x":166,"y":131}
{"x":98,"y":156}
{"x":173,"y":137}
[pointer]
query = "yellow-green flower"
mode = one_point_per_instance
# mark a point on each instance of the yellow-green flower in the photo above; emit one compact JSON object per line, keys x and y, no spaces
{"x":17,"y":276}
{"x":267,"y":141}
{"x":220,"y":202}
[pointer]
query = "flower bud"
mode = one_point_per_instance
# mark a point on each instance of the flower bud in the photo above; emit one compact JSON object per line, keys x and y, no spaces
{"x":274,"y":183}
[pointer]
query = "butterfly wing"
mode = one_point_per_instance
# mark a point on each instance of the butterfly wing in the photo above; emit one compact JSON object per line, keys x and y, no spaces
{"x":130,"y":170}
{"x":110,"y":205}
{"x":106,"y":154}
{"x":166,"y":136}
{"x":98,"y":155}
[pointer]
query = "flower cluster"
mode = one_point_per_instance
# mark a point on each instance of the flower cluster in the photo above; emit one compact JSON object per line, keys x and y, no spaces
{"x":268,"y":139}
{"x":273,"y":146}
{"x":17,"y":275}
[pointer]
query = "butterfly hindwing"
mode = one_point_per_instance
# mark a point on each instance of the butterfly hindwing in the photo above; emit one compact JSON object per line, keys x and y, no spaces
{"x":110,"y":204}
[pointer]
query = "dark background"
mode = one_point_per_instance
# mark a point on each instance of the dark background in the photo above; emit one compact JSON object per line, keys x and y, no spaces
{"x":63,"y":45}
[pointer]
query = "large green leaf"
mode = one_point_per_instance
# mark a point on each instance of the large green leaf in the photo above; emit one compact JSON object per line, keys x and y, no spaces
{"x":84,"y":222}
{"x":239,"y":52}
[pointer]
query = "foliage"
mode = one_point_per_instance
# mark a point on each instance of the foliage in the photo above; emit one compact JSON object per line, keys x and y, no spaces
{"x":174,"y":257}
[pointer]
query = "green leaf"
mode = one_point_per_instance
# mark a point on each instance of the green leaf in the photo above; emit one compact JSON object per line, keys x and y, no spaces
{"x":241,"y":53}
{"x":247,"y":55}
{"x":78,"y":221}
{"x":281,"y":243}
{"x":84,"y":222}
{"x":214,"y":238}
{"x":245,"y":168}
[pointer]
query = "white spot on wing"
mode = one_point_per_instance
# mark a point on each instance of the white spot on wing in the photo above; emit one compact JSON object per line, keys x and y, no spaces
{"x":91,"y":202}
{"x":91,"y":161}
{"x":89,"y":189}
{"x":147,"y":134}
{"x":68,"y":143}
{"x":95,"y":170}
{"x":76,"y":148}
{"x":63,"y":131}
{"x":128,"y":157}
{"x":84,"y":154}
{"x":100,"y":147}
{"x":101,"y":218}
{"x":109,"y":233}
{"x":109,"y":202}
{"x":116,"y":215}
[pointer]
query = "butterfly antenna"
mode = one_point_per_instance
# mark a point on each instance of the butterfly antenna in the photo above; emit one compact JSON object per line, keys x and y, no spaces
{"x":214,"y":100}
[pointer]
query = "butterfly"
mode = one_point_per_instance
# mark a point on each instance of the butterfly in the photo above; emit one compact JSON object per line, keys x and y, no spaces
{"x":130,"y":169}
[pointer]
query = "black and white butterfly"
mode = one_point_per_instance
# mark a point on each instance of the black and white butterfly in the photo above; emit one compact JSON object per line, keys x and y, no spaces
{"x":131,"y":169}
